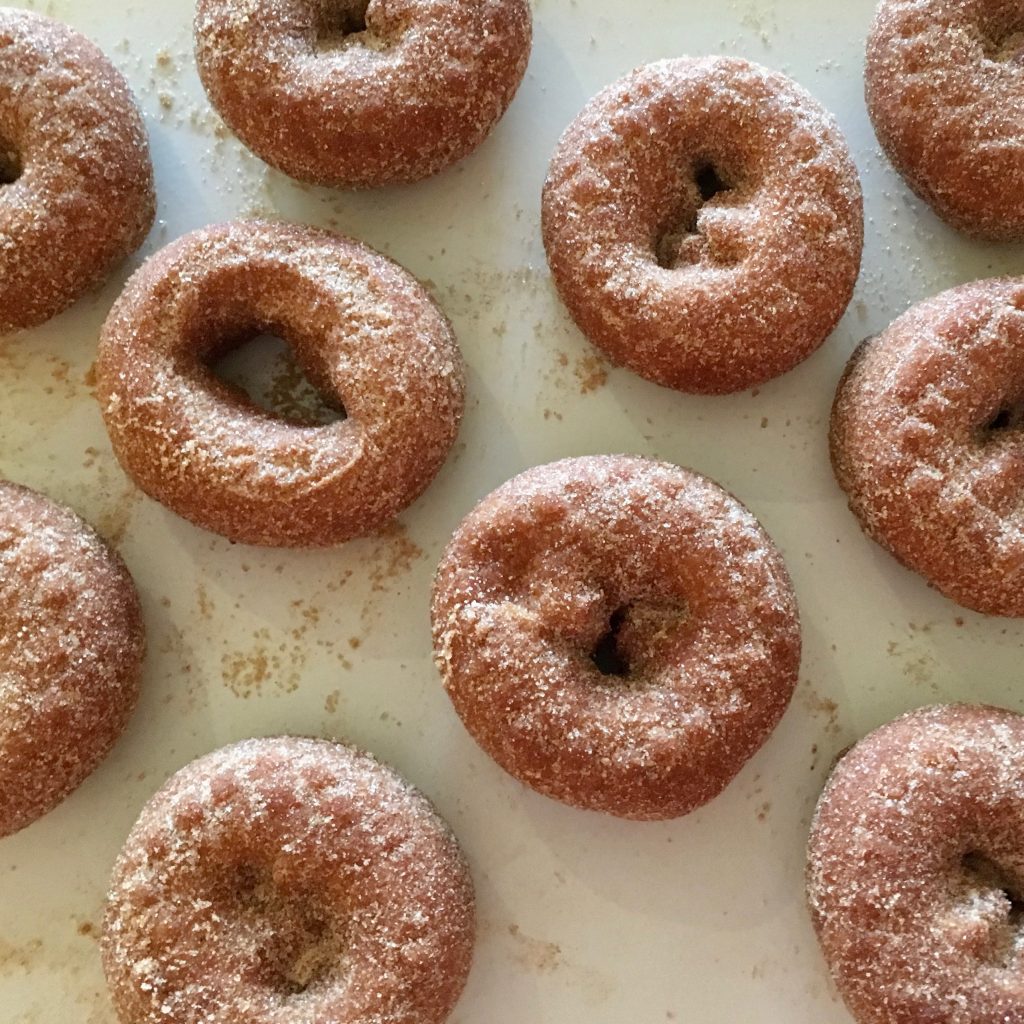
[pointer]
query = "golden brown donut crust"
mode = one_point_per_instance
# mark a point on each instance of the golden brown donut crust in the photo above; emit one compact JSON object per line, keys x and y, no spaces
{"x":71,"y":649}
{"x":916,"y":869}
{"x":704,"y":296}
{"x":365,"y":332}
{"x":945,"y":90}
{"x":287,"y":881}
{"x":83,"y":199}
{"x":926,"y":442}
{"x":418,"y":88}
{"x":707,"y":626}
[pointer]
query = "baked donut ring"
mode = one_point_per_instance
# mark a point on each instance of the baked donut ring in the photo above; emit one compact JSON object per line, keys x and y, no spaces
{"x":945,"y":90}
{"x":71,"y":649}
{"x":915,"y":872}
{"x":76,"y":183}
{"x":365,"y":332}
{"x":618,"y":633}
{"x":927,"y":442}
{"x":286,"y":881}
{"x":360,"y":93}
{"x":704,"y":223}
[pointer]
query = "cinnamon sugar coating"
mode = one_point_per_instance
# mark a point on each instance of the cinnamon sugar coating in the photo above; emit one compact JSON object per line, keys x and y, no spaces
{"x":76,"y":183}
{"x":945,"y":90}
{"x":71,"y":649}
{"x":288,"y":881}
{"x":703,"y":222}
{"x":926,"y":441}
{"x":618,"y":633}
{"x":916,"y":869}
{"x":356,"y":94}
{"x":364,"y":331}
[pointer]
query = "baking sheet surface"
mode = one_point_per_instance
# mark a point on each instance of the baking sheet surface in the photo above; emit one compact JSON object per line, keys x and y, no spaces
{"x":582,"y":918}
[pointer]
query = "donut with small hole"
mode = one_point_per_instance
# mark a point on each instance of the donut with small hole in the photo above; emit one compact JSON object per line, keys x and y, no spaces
{"x":362,"y":93}
{"x":76,"y":181}
{"x":915,"y":870}
{"x":703,"y":222}
{"x":944,"y":81}
{"x":287,"y":880}
{"x":617,"y":633}
{"x":927,"y":442}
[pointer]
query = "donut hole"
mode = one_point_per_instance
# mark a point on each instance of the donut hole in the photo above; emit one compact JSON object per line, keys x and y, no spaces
{"x":10,"y":164}
{"x":608,"y":656}
{"x":264,"y":368}
{"x":295,"y":944}
{"x":340,"y":21}
{"x":680,"y":242}
{"x":638,"y":637}
{"x":982,"y":873}
{"x":709,"y":182}
{"x":1008,"y":417}
{"x":1003,"y":38}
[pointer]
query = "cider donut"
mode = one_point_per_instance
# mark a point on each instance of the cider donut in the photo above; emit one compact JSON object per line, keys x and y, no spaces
{"x":360,"y":93}
{"x":284,"y":881}
{"x":71,"y":649}
{"x":703,"y":222}
{"x":365,"y":332}
{"x":945,"y":90}
{"x":926,"y":441}
{"x":915,"y":873}
{"x":76,"y":182}
{"x":617,"y":633}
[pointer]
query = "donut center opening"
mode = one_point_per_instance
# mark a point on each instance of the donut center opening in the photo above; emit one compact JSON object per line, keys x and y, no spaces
{"x":1009,"y":416}
{"x":340,"y":20}
{"x":980,"y":872}
{"x":10,"y":164}
{"x":265,"y":368}
{"x":296,"y":945}
{"x":680,"y":242}
{"x":608,"y":657}
{"x":1005,"y":44}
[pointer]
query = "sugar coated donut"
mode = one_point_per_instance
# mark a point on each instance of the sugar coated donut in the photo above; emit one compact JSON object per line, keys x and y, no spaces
{"x":703,"y":222}
{"x":76,"y":183}
{"x":359,"y":93}
{"x":279,"y":881}
{"x":927,"y":442}
{"x":945,"y":91}
{"x":365,"y":332}
{"x":618,"y":633}
{"x":916,"y":869}
{"x":71,"y":648}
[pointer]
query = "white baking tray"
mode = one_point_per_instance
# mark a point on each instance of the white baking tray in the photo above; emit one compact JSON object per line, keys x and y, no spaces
{"x":582,"y":918}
